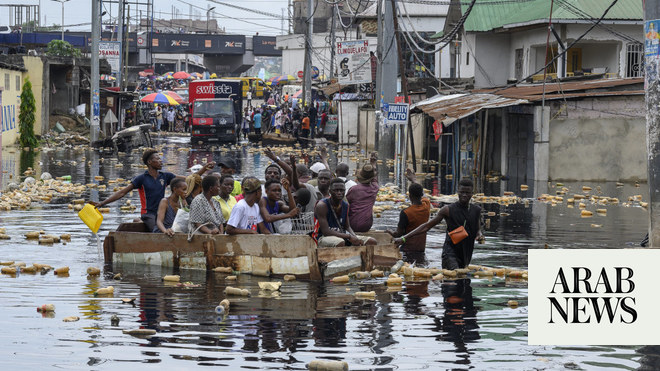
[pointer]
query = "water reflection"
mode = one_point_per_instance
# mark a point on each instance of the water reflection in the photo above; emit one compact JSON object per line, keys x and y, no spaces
{"x":459,"y":322}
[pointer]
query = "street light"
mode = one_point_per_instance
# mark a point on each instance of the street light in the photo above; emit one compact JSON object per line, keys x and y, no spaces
{"x":62,"y":2}
{"x":207,"y":18}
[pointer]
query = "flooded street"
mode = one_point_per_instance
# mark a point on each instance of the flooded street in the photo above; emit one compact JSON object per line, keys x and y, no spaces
{"x":455,"y":324}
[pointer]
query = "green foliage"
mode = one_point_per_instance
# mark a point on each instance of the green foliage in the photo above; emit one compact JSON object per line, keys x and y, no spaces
{"x":26,"y":118}
{"x":62,"y":48}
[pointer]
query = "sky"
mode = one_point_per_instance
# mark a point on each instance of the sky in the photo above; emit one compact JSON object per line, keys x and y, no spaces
{"x":234,"y":20}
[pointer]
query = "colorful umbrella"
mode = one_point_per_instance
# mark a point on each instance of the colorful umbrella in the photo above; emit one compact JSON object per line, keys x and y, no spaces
{"x":105,"y":77}
{"x":167,"y":74}
{"x":181,"y":75}
{"x":179,"y":99}
{"x":282,"y":79}
{"x":197,"y":75}
{"x":159,"y":98}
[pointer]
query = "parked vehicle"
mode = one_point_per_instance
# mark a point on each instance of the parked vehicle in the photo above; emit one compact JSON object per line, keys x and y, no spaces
{"x":215,"y":110}
{"x":257,"y":85}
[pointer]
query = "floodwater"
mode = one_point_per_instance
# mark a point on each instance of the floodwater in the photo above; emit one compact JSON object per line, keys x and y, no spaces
{"x":458,"y":324}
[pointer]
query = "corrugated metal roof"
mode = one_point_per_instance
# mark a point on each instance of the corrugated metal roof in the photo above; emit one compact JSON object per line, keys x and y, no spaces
{"x":487,"y":15}
{"x":534,"y":92}
{"x":456,"y":106}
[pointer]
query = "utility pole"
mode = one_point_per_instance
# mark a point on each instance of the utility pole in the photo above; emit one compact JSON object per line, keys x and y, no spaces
{"x":307,"y":72}
{"x":404,"y":82}
{"x":95,"y":100}
{"x":120,"y":38}
{"x":652,"y":87}
{"x":387,"y":67}
{"x":333,"y":45}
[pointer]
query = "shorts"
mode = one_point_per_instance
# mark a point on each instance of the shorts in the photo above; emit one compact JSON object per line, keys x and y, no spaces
{"x":333,"y":241}
{"x":149,"y":220}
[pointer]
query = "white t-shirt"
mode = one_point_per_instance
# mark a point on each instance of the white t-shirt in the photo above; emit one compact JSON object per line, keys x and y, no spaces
{"x":245,"y":217}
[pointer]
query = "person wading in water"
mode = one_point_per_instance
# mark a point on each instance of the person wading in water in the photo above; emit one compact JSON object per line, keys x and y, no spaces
{"x":459,"y":214}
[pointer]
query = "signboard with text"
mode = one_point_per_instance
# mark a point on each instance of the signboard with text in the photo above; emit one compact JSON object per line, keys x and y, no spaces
{"x":354,"y":62}
{"x":266,"y":46}
{"x":208,"y":44}
{"x":111,"y":51}
{"x":396,"y":113}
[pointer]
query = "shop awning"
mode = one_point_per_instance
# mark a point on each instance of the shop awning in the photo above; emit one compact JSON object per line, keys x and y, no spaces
{"x":449,"y":108}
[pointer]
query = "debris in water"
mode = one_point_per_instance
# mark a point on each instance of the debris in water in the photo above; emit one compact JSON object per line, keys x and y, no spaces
{"x":46,"y":308}
{"x":70,"y":319}
{"x":105,"y":291}
{"x":236,"y":291}
{"x":172,"y":278}
{"x":270,"y":286}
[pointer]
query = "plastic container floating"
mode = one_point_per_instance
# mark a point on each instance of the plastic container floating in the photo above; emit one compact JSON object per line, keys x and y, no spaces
{"x":91,"y":217}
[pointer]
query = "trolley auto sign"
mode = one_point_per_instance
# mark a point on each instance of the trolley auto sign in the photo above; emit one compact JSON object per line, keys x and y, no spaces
{"x":354,"y":62}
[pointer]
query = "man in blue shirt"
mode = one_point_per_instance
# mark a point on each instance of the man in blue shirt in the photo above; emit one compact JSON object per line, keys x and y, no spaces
{"x":257,"y":122}
{"x":151,"y":187}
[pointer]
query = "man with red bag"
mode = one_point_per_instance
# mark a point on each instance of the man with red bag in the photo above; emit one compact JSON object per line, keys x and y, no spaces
{"x":463,"y":228}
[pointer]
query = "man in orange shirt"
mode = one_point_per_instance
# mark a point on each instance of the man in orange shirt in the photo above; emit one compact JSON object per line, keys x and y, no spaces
{"x":413,"y":216}
{"x":305,"y":126}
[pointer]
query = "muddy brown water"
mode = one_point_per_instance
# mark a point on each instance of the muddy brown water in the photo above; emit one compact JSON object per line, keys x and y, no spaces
{"x":459,"y":324}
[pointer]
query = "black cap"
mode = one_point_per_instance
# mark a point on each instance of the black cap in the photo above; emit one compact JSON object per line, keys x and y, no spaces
{"x":227,"y":162}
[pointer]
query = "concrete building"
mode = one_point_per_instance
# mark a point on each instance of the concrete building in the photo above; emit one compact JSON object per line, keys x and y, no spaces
{"x":503,"y":41}
{"x":58,"y":84}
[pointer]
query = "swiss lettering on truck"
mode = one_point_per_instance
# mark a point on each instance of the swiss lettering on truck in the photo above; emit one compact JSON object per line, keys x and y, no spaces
{"x":215,"y":110}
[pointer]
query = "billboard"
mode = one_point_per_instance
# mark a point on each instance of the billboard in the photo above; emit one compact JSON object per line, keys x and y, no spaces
{"x":207,"y":44}
{"x":354,"y":62}
{"x":265,"y":46}
{"x":111,"y":51}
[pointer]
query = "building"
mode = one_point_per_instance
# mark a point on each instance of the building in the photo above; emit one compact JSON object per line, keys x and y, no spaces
{"x":505,"y":41}
{"x":590,"y":130}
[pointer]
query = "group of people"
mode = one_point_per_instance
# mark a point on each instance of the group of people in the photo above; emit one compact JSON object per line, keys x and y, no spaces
{"x":284,"y":119}
{"x":218,"y":203}
{"x":173,"y":119}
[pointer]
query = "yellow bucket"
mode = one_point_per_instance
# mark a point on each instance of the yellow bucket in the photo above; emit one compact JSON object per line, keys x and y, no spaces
{"x":92,"y":217}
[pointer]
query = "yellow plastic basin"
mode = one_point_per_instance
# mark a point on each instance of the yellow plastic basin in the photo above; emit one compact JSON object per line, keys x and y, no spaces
{"x":91,"y":217}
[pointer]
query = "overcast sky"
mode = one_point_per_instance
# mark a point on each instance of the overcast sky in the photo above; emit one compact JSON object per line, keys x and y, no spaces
{"x":234,"y":20}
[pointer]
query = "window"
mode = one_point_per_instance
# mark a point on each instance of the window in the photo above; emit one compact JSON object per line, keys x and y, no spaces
{"x":634,"y":60}
{"x":7,"y":86}
{"x":519,"y":64}
{"x":18,"y":83}
{"x":467,"y":58}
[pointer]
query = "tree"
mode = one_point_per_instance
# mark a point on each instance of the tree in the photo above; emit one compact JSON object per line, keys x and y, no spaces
{"x":62,"y":49}
{"x":26,"y":118}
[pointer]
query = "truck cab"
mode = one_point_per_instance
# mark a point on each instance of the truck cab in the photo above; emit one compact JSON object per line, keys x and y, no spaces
{"x":214,"y":120}
{"x":215,"y":110}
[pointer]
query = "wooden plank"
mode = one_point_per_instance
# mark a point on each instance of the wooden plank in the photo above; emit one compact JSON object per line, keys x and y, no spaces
{"x":108,"y":248}
{"x":253,"y":245}
{"x":209,"y":252}
{"x":382,"y":238}
{"x":155,"y":242}
{"x":368,"y":258}
{"x":389,"y":250}
{"x":314,"y":269}
{"x":132,"y":227}
{"x":271,"y":246}
{"x":328,"y":254}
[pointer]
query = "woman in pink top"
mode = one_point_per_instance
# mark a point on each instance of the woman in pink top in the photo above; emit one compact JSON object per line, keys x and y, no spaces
{"x":362,"y":197}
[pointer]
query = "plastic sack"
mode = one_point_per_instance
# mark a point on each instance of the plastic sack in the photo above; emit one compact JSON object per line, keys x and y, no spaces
{"x":284,"y":226}
{"x":181,"y":220}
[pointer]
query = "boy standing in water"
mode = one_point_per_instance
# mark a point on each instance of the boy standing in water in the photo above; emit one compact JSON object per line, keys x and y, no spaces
{"x":459,"y":214}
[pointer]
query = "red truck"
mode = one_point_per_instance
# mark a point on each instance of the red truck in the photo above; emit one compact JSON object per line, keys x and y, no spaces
{"x":215,"y":110}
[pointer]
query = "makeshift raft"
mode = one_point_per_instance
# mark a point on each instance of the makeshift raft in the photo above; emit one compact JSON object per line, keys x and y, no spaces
{"x":263,"y":255}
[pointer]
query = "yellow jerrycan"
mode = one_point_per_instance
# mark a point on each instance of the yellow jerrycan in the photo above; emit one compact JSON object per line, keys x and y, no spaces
{"x":92,"y":217}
